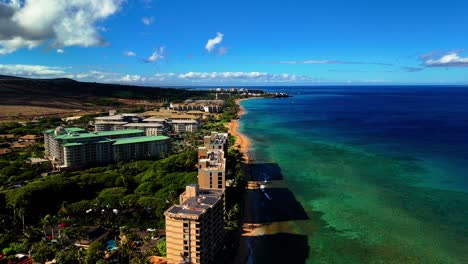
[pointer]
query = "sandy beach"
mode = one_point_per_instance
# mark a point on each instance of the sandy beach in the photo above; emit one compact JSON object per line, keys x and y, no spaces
{"x":242,"y":142}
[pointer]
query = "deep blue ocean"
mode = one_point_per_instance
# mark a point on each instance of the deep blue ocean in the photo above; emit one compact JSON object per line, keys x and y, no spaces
{"x":372,"y":174}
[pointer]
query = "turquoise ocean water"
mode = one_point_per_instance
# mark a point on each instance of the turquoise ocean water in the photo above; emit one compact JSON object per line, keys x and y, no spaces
{"x":380,"y":172}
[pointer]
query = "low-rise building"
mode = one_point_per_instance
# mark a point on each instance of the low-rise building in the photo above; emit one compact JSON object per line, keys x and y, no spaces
{"x":183,"y":126}
{"x":76,"y":147}
{"x":209,"y":106}
{"x":114,"y":122}
{"x":151,"y":129}
{"x":195,"y":227}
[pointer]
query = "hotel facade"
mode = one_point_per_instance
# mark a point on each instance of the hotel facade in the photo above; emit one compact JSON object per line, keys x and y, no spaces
{"x":76,"y":147}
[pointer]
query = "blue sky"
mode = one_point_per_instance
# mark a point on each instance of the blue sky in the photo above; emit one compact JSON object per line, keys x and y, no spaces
{"x":183,"y":42}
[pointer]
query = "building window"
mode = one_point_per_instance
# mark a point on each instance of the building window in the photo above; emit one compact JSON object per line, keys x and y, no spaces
{"x":220,"y":186}
{"x":185,"y":224}
{"x":220,"y":174}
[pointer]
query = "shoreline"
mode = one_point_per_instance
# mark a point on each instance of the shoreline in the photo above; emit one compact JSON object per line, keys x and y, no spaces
{"x":252,"y":232}
{"x":242,"y":143}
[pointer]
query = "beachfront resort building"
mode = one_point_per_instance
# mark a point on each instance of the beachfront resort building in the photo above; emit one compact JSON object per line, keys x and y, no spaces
{"x":183,"y":126}
{"x":76,"y":147}
{"x":151,"y":129}
{"x":114,"y":122}
{"x":157,"y":123}
{"x":208,"y":106}
{"x":195,"y":227}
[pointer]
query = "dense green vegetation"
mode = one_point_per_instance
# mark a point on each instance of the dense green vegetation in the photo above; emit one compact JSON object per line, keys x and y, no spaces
{"x":34,"y":128}
{"x":231,"y":109}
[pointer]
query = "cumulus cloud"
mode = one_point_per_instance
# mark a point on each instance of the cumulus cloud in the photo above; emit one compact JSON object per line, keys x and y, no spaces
{"x":451,"y":59}
{"x":244,"y":76}
{"x":147,"y":20}
{"x":157,"y":55}
{"x":169,"y":78}
{"x":211,"y":43}
{"x":33,"y":71}
{"x":30,"y":23}
{"x":129,"y":53}
{"x":132,"y":78}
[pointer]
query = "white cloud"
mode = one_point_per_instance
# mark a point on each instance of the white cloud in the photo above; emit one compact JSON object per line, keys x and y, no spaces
{"x":147,"y":20}
{"x":170,"y":78}
{"x":157,"y":55}
{"x":30,"y":23}
{"x":32,"y":71}
{"x":132,"y":78}
{"x":211,"y":43}
{"x":451,"y":59}
{"x":243,"y":76}
{"x":60,"y":51}
{"x":129,"y":53}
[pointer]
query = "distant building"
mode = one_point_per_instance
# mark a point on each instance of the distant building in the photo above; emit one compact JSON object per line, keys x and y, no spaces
{"x":76,"y":147}
{"x":157,"y":124}
{"x":195,"y":228}
{"x":114,"y":122}
{"x":28,"y":138}
{"x":209,"y":106}
{"x":151,"y":129}
{"x":183,"y":126}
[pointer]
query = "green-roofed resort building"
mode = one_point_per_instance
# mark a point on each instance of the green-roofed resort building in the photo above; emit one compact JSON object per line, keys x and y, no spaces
{"x":77,"y":147}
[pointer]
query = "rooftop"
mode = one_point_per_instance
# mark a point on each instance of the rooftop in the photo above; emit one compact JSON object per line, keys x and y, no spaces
{"x":143,"y":125}
{"x":78,"y":135}
{"x":194,"y":207}
{"x":131,"y":140}
{"x":112,"y":117}
{"x":113,"y":122}
{"x":184,"y":121}
{"x":68,"y":130}
{"x":154,"y":119}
